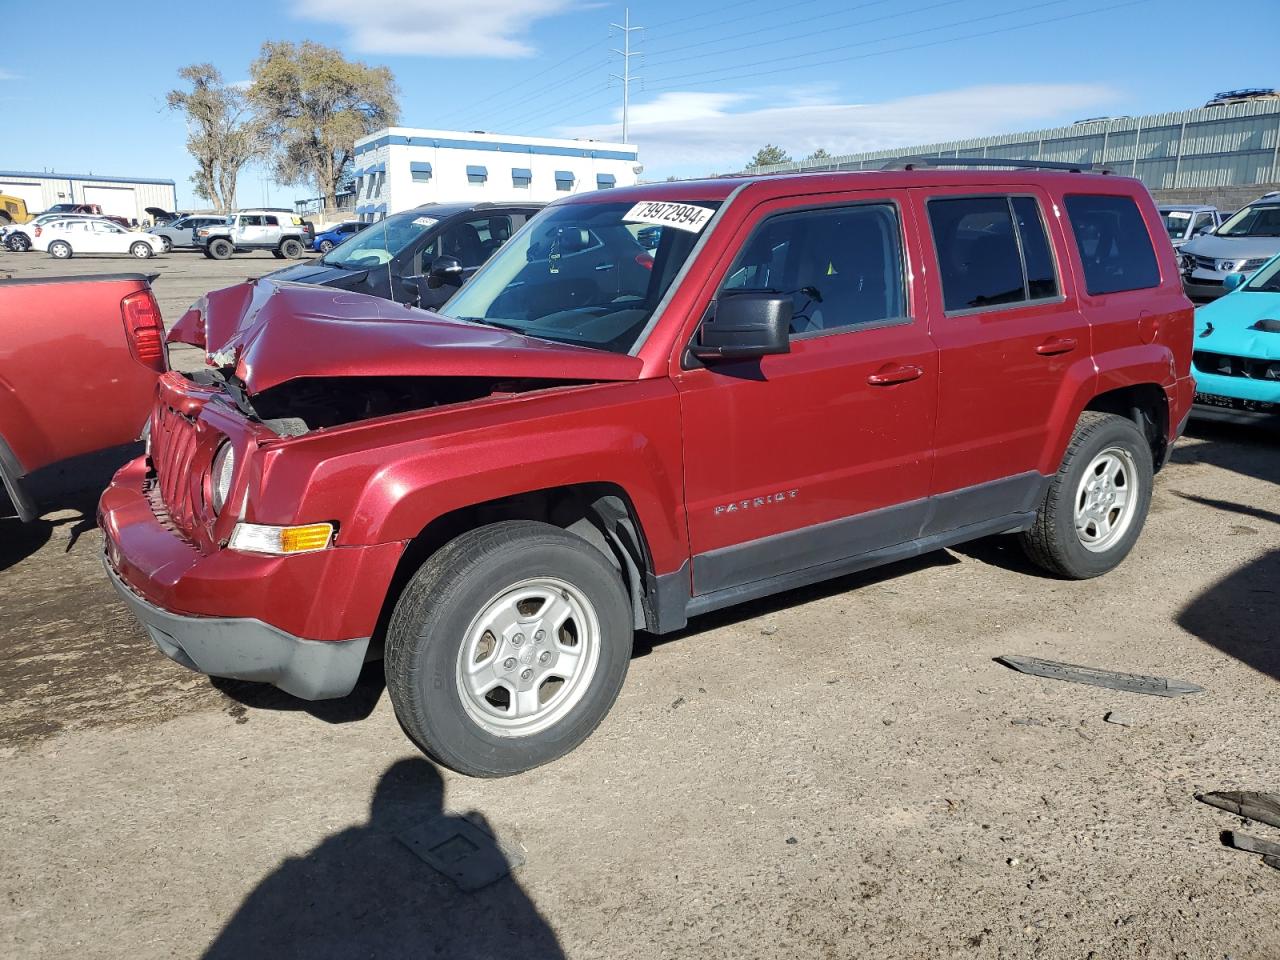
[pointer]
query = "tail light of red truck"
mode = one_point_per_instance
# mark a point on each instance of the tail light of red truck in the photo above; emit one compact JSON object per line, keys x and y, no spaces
{"x":144,"y":329}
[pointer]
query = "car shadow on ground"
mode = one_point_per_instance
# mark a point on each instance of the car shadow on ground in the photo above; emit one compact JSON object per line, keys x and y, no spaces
{"x":358,"y":705}
{"x":363,"y":893}
{"x":19,"y":541}
{"x":1237,"y":615}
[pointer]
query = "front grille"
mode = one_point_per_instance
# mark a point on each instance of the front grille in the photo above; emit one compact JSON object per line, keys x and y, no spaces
{"x":173,"y":447}
{"x":1206,"y":263}
{"x":1226,"y":365}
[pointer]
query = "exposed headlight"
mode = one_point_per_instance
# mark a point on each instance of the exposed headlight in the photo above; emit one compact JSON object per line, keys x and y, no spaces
{"x":263,"y":538}
{"x":1253,"y":264}
{"x":224,"y":465}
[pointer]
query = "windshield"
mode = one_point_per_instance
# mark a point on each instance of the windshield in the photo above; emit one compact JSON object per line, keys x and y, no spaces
{"x":380,"y":242}
{"x":1267,"y":279}
{"x":1176,"y":222}
{"x":586,"y":273}
{"x":1255,"y":220}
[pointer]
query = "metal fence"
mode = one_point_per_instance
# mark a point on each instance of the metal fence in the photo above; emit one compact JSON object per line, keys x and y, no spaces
{"x":1207,"y":147}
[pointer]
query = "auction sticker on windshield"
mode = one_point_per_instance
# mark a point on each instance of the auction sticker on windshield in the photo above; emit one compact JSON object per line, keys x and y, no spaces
{"x":682,"y":216}
{"x":425,"y":221}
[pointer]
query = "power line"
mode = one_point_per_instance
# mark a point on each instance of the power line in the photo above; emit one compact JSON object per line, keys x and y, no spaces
{"x":527,"y":95}
{"x":677,"y":80}
{"x":773,"y":27}
{"x":533,"y":76}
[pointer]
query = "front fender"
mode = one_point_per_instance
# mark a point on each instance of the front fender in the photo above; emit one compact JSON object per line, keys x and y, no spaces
{"x":395,"y":478}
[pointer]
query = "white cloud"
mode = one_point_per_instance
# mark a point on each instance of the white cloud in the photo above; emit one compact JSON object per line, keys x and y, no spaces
{"x":692,"y":133}
{"x":443,"y":28}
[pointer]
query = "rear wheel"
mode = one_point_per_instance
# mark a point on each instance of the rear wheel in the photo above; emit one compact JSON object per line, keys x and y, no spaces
{"x":291,"y":248}
{"x":60,"y":249}
{"x":221,"y":249}
{"x":142,"y":250}
{"x":508,"y":647}
{"x":1096,"y":505}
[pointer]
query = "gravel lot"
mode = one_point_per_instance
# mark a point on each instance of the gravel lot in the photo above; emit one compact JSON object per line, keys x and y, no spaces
{"x":840,"y":771}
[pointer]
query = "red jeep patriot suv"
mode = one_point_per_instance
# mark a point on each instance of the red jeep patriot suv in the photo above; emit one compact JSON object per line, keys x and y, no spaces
{"x":806,"y":375}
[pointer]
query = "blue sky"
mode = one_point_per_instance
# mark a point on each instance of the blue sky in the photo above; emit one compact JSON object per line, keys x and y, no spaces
{"x":85,"y":90}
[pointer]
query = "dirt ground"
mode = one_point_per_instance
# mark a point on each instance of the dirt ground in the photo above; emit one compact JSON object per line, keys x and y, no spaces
{"x":840,"y":771}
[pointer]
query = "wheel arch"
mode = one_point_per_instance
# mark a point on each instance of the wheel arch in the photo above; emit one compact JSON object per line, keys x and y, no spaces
{"x":600,"y":512}
{"x":1147,"y":405}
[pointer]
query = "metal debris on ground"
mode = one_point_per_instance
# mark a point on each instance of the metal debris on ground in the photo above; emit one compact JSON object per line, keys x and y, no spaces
{"x":469,"y":856}
{"x":1117,"y":718}
{"x":1111,"y":679}
{"x":1242,"y":841}
{"x":1263,"y":807}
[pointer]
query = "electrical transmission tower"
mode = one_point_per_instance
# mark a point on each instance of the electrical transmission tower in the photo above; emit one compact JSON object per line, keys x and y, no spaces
{"x":626,"y":53}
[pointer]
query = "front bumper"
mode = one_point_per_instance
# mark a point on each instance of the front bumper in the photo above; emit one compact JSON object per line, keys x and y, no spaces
{"x":1203,"y":285}
{"x":301,"y":622}
{"x":248,"y":649}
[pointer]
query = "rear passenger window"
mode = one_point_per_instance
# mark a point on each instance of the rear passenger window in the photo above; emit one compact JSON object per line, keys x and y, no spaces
{"x":1113,"y":242}
{"x":841,"y":266}
{"x":992,"y":251}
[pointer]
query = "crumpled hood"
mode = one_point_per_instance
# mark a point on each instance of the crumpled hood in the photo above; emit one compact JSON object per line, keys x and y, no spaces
{"x":273,"y":332}
{"x":1231,"y":322}
{"x":1232,"y":248}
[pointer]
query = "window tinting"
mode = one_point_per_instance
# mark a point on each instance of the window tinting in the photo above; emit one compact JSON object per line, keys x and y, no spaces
{"x":841,"y":266}
{"x":977,"y":252}
{"x":1114,"y":245}
{"x":1036,"y":255}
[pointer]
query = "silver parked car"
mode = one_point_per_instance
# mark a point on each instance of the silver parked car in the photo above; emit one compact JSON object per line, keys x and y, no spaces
{"x":181,"y":233}
{"x":1185,"y":221}
{"x":1249,"y":238}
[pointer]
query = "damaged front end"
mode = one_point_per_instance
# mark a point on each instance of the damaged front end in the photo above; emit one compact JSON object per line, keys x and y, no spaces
{"x":300,"y":358}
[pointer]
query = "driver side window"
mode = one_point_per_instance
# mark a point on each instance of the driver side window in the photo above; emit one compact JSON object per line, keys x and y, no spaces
{"x":841,"y":266}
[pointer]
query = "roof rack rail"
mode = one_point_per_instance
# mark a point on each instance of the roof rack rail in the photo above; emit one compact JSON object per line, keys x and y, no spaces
{"x":910,"y":163}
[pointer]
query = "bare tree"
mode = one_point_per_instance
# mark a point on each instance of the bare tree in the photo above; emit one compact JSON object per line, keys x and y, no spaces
{"x":316,"y":104}
{"x":223,"y":134}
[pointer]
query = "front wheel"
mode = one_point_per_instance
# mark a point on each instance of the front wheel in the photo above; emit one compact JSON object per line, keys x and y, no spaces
{"x":508,"y":647}
{"x":166,"y":244}
{"x":141,"y":250}
{"x":60,"y":250}
{"x":326,"y":246}
{"x":221,"y":249}
{"x":19,"y":243}
{"x":1097,"y":502}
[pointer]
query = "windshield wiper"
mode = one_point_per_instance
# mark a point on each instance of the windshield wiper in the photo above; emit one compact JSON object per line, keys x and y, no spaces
{"x":501,"y":324}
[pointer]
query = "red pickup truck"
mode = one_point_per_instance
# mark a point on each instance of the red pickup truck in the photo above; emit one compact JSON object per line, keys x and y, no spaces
{"x":79,"y":359}
{"x":805,"y":376}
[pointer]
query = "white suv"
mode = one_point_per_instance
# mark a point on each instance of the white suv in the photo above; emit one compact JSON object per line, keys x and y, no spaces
{"x":285,"y":234}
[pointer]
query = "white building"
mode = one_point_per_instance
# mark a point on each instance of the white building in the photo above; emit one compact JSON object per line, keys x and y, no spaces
{"x":399,"y":168}
{"x":126,"y":197}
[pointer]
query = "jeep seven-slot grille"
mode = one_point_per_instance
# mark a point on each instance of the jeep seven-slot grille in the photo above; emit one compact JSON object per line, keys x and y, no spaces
{"x":173,"y":446}
{"x":1225,"y":365}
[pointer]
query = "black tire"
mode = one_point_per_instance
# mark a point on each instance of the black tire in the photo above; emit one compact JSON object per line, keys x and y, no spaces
{"x":1053,"y":542}
{"x":291,"y":248}
{"x":141,"y":250}
{"x":19,"y":243}
{"x":60,"y":250}
{"x":221,"y":249}
{"x":429,"y":626}
{"x":277,"y":254}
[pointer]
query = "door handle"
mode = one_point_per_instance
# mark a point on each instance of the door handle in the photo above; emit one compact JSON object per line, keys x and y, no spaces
{"x":892,"y":373}
{"x":605,"y":266}
{"x":1056,"y":345}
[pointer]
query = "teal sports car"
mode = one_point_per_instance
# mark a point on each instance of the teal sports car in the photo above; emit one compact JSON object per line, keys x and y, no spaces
{"x":1237,"y":344}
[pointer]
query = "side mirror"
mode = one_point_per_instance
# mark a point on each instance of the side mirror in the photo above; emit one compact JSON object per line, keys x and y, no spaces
{"x":445,"y":270}
{"x":1233,"y":280}
{"x":1205,"y":231}
{"x":745,"y":325}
